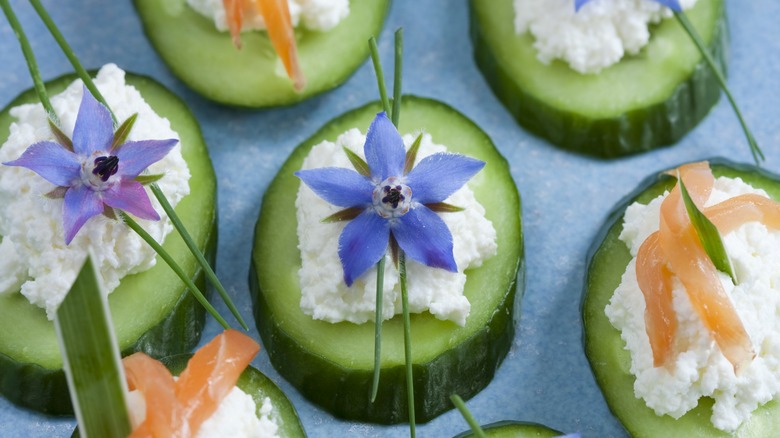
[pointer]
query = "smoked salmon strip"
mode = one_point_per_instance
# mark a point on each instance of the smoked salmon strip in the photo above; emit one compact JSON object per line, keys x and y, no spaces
{"x":677,"y":246}
{"x":655,"y":282}
{"x":177,"y":408}
{"x":276,"y":14}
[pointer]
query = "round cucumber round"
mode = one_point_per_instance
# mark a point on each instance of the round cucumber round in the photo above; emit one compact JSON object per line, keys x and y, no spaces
{"x":514,"y":429}
{"x":152,"y":311}
{"x":332,"y":364}
{"x":206,"y":60}
{"x":643,"y":102}
{"x":605,"y":349}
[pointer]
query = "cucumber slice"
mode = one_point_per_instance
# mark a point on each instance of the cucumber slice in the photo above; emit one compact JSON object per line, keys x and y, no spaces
{"x":152,"y":311}
{"x":605,"y":350}
{"x":332,"y":364}
{"x":514,"y":429}
{"x":643,"y":102}
{"x":206,"y":60}
{"x":257,"y":385}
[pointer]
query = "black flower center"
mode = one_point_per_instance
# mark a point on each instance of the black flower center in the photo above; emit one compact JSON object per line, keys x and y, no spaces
{"x":393,"y":195}
{"x":105,"y":167}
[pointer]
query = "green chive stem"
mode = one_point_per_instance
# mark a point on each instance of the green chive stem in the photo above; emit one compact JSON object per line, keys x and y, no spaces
{"x":464,"y":411}
{"x":755,"y":150}
{"x":380,"y":76}
{"x":212,"y":277}
{"x":378,"y":319}
{"x":29,"y":56}
{"x":398,"y":74}
{"x":175,"y":267}
{"x":407,"y":340}
{"x":68,"y":51}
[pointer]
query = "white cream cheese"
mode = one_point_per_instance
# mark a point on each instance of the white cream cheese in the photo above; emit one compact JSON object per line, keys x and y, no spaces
{"x":597,"y":36}
{"x":319,"y":15}
{"x":325,"y":296}
{"x":701,"y":370}
{"x":33,"y":256}
{"x":236,"y":417}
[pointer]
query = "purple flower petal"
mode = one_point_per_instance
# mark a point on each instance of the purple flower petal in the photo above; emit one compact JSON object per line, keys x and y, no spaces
{"x":384,"y":149}
{"x":136,"y":156}
{"x":579,"y":3}
{"x":50,"y":160}
{"x":425,"y":238}
{"x":671,"y":4}
{"x":362,"y":243}
{"x":94,"y":130}
{"x":131,"y":197}
{"x":438,"y":176}
{"x":81,"y":203}
{"x":339,"y":186}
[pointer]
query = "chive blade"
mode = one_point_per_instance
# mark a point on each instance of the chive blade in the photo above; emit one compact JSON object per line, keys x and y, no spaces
{"x":708,"y":234}
{"x":378,"y":319}
{"x":398,"y":74}
{"x":407,"y":341}
{"x":68,"y":51}
{"x":29,"y":57}
{"x":91,"y":358}
{"x":380,"y":76}
{"x":185,"y":235}
{"x":464,"y":411}
{"x":174,"y":267}
{"x":755,"y":150}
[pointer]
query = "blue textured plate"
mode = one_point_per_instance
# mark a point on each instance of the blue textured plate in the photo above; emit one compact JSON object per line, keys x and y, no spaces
{"x":545,"y":378}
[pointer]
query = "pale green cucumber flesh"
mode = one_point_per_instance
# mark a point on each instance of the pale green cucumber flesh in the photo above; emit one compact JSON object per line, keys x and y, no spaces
{"x":206,"y":60}
{"x":514,"y":429}
{"x":645,"y":101}
{"x":604,"y":348}
{"x":332,"y":364}
{"x":152,"y":311}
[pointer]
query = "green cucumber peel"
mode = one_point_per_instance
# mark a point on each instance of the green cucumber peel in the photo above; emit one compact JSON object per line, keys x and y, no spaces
{"x":755,"y":150}
{"x":708,"y":234}
{"x":91,"y":359}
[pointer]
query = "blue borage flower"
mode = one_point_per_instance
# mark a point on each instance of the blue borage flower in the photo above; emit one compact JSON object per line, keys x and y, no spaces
{"x":97,"y":170}
{"x":391,"y":202}
{"x":671,"y":4}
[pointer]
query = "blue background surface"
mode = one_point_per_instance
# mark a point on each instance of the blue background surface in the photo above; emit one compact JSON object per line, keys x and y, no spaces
{"x":566,"y":197}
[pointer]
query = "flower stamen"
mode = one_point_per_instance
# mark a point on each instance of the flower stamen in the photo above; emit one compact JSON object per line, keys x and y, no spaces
{"x":106,"y":167}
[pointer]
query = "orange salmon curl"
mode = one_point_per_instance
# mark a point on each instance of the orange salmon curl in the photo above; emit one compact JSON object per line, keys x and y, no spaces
{"x":675,"y":250}
{"x":276,"y":14}
{"x":177,"y":408}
